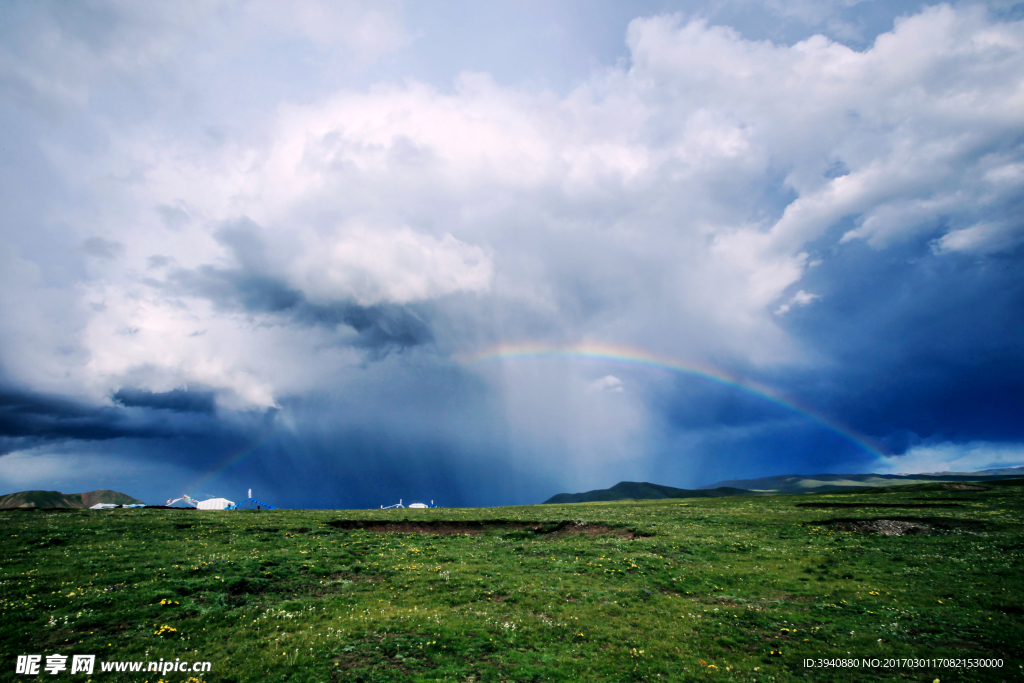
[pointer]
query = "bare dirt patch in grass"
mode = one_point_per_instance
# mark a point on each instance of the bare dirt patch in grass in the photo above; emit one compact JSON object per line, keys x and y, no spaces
{"x":902,"y":526}
{"x":725,"y":601}
{"x":879,"y":505}
{"x":477,"y":527}
{"x":891,"y":527}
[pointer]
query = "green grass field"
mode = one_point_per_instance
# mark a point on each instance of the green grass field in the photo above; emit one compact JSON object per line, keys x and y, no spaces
{"x":719,"y":589}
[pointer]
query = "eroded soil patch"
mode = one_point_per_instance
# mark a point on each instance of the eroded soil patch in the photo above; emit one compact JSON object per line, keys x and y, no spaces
{"x":476,"y":527}
{"x":879,"y":505}
{"x":902,"y":526}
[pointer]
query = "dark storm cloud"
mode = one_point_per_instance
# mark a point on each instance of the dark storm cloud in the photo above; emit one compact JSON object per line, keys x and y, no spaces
{"x":28,"y":418}
{"x":249,"y":287}
{"x":31,"y":418}
{"x":28,"y":414}
{"x":919,"y":345}
{"x":178,"y":400}
{"x":234,"y":289}
{"x":379,"y":328}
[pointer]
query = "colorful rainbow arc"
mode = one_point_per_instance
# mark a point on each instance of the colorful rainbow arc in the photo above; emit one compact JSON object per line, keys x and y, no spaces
{"x":205,"y":480}
{"x":624,"y":355}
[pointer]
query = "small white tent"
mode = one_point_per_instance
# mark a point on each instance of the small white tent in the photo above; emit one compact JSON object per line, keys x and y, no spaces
{"x":214,"y":504}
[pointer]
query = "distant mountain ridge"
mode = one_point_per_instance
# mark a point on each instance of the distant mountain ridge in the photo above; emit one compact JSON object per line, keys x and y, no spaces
{"x":786,"y":483}
{"x":632,"y":490}
{"x":999,"y":471}
{"x":806,"y":483}
{"x":56,"y":499}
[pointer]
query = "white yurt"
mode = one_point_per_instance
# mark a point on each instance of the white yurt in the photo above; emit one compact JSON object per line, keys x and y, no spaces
{"x":214,"y":504}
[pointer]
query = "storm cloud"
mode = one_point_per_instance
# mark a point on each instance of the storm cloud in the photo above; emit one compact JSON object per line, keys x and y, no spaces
{"x":252,"y":286}
{"x":178,"y":400}
{"x":215,"y":278}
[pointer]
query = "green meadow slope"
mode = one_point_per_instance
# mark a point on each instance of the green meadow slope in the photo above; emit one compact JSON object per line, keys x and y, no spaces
{"x":911,"y":583}
{"x":56,"y":499}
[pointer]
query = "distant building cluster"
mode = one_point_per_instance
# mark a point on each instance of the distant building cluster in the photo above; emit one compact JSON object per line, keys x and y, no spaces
{"x":186,"y":501}
{"x":414,"y":506}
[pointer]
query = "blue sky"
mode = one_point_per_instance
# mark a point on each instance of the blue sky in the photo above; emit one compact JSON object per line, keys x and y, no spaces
{"x":259,"y":245}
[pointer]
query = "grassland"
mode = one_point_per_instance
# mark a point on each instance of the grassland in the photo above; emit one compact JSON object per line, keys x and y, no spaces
{"x":717,"y":589}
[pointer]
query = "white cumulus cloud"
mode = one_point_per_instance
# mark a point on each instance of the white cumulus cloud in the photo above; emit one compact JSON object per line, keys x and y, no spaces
{"x":669,"y":202}
{"x":955,"y":457}
{"x":609,"y":383}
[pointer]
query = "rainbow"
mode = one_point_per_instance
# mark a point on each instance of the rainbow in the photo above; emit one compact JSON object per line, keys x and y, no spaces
{"x":624,"y":355}
{"x":202,"y":482}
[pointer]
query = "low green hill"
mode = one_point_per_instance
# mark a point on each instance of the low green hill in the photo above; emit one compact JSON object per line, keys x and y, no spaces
{"x":631,"y":490}
{"x":56,"y":499}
